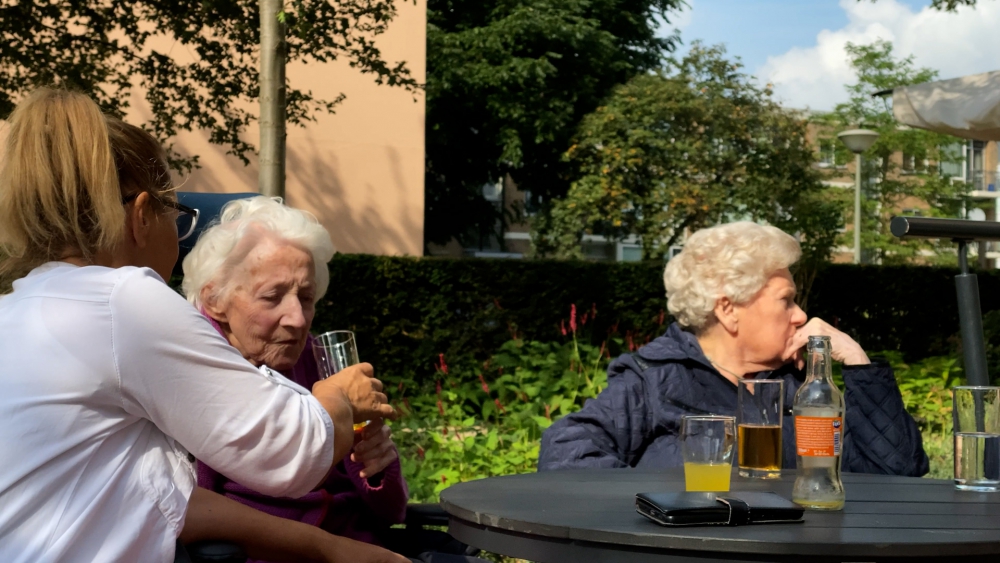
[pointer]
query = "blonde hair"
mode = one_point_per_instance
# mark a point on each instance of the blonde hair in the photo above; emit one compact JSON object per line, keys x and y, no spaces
{"x":66,"y":167}
{"x":733,"y":260}
{"x":242,"y":224}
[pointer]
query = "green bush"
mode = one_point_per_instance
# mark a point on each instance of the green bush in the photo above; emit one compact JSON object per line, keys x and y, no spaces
{"x":486,"y":419}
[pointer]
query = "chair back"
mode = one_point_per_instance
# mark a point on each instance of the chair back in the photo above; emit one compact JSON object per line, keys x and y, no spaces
{"x":209,"y":207}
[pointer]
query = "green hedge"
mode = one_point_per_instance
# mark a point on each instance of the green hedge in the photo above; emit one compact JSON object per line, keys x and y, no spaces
{"x":408,"y":311}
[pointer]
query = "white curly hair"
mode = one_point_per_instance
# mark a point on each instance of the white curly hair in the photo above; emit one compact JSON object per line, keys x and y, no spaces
{"x":733,"y":260}
{"x":241,"y":225}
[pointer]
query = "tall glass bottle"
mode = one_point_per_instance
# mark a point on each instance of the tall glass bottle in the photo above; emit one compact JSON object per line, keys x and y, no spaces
{"x":819,"y":432}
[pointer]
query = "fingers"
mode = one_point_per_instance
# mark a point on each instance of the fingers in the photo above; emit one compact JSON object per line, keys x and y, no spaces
{"x":385,"y":410}
{"x":373,"y":440}
{"x":377,"y":465}
{"x":374,"y":428}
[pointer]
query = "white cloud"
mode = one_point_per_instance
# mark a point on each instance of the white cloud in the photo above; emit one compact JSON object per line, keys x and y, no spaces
{"x":954,"y":44}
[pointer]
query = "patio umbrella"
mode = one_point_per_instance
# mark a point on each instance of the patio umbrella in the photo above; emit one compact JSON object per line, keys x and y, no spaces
{"x":966,"y":107}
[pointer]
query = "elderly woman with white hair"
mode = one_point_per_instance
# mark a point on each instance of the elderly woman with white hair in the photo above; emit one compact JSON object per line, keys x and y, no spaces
{"x":733,"y":296}
{"x":256,"y":275}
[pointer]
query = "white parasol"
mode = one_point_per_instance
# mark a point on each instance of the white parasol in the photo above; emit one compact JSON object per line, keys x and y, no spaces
{"x":966,"y":107}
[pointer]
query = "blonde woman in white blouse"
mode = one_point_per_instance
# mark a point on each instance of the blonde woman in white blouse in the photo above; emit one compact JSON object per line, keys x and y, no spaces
{"x":111,"y":382}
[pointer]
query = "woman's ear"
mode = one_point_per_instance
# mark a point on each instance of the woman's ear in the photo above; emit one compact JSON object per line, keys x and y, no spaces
{"x":725,"y":314}
{"x":210,"y":303}
{"x":139,"y":219}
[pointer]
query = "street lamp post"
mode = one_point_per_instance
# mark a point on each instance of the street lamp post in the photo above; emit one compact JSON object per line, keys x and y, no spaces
{"x":857,"y":141}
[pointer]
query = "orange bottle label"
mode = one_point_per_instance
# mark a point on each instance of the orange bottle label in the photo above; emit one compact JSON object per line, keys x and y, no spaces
{"x":818,"y":436}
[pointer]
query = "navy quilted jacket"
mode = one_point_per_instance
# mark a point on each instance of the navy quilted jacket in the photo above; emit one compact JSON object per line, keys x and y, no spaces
{"x":635,"y":422}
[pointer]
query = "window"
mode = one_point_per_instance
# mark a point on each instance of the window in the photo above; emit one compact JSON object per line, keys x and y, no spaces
{"x":630,"y":253}
{"x":974,"y":165}
{"x":828,"y":154}
{"x":951,"y":160}
{"x":914,"y":163}
{"x":909,"y":163}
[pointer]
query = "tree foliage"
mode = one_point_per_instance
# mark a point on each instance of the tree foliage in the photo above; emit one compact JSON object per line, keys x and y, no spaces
{"x":695,"y":144}
{"x":207,"y":76}
{"x":889,"y":187}
{"x":508,"y":82}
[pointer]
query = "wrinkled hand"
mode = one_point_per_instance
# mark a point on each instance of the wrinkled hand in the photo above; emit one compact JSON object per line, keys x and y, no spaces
{"x":843,"y":348}
{"x":362,"y":391}
{"x":375,"y":450}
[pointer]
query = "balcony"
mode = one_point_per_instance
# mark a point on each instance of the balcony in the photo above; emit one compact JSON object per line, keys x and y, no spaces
{"x":984,"y":184}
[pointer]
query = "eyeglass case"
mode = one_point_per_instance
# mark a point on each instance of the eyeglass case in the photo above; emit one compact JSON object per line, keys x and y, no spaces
{"x":710,"y":509}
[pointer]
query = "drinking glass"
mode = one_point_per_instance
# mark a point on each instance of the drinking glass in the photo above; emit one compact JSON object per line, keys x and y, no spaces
{"x":758,"y":419}
{"x":707,"y":446}
{"x":334,"y":351}
{"x":976,"y":417}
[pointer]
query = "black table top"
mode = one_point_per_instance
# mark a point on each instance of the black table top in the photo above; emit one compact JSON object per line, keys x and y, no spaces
{"x":552,"y":516}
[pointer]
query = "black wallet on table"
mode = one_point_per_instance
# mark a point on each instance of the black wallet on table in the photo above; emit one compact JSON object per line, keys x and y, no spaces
{"x":725,"y":509}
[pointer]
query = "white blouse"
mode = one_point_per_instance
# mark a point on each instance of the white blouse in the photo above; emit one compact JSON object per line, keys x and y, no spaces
{"x":108,"y":378}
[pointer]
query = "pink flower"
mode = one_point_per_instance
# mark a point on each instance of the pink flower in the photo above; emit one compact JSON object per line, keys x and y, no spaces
{"x":572,"y":317}
{"x":486,"y":387}
{"x":562,"y":327}
{"x":441,"y":409}
{"x":499,"y":406}
{"x":442,"y":366}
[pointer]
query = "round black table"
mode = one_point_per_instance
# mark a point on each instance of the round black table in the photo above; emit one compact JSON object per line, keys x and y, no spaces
{"x":589,"y":515}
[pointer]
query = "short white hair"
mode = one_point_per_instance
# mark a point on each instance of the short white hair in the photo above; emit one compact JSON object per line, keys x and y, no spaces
{"x":733,"y":260}
{"x":241,"y":225}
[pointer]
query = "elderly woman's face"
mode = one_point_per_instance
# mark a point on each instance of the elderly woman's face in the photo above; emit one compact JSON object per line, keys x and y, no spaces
{"x":270,"y":307}
{"x":768,"y":321}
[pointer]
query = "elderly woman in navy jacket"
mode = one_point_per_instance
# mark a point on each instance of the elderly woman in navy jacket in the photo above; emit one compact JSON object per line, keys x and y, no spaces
{"x":732,"y":294}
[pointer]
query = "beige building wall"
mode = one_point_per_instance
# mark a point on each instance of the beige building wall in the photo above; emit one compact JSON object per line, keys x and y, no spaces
{"x":361,"y":170}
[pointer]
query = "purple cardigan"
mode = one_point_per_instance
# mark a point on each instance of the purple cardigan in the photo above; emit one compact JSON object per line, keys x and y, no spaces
{"x":346,"y":504}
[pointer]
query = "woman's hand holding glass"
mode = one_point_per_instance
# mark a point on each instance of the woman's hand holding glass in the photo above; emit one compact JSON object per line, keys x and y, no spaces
{"x":357,"y":384}
{"x":376,"y":449}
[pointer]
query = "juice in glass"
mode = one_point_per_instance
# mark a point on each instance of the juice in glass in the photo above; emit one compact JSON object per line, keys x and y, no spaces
{"x":702,"y":477}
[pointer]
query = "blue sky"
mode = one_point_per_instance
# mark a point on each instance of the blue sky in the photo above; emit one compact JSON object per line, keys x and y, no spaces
{"x":798,"y":44}
{"x":756,"y":29}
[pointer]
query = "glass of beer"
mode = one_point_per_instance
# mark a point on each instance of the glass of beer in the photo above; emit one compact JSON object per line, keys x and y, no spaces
{"x":758,"y":419}
{"x":707,"y":446}
{"x":334,"y":351}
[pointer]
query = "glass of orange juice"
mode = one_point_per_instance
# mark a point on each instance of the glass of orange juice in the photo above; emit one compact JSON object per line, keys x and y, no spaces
{"x":707,"y":443}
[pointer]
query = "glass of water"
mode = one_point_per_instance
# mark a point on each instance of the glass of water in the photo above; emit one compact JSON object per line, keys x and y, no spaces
{"x":976,"y":416}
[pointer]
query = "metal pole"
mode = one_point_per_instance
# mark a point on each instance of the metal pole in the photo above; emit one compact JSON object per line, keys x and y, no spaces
{"x":857,"y":208}
{"x":271,"y":180}
{"x":970,"y":321}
